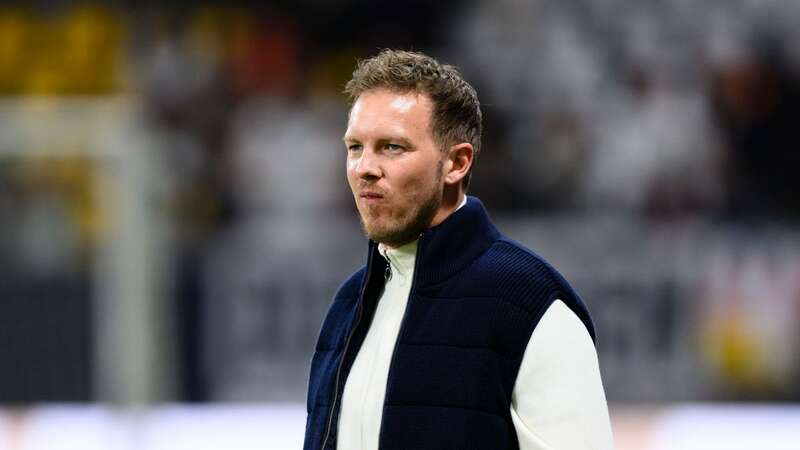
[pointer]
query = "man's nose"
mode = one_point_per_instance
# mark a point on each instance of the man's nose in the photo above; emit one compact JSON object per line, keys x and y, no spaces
{"x":368,"y":166}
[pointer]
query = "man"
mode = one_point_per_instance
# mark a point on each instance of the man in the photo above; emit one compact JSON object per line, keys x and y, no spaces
{"x":452,"y":336}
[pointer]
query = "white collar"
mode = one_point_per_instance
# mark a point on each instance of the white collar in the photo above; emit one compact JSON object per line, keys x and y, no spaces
{"x":401,"y":258}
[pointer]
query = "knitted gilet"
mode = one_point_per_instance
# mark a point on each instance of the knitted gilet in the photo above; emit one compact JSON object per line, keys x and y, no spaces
{"x":475,"y":299}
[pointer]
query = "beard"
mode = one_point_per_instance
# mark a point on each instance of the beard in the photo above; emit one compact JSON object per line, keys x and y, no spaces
{"x":402,"y":226}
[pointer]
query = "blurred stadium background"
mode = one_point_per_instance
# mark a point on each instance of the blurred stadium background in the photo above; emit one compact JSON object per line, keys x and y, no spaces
{"x":174,"y":214}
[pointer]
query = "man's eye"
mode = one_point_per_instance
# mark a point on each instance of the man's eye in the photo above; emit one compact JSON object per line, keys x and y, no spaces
{"x":354,"y":147}
{"x":394,"y":147}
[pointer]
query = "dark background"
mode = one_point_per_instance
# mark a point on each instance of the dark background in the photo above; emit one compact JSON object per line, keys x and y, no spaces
{"x":174,"y":215}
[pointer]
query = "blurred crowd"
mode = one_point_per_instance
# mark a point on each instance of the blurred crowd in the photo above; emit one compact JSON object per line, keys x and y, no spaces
{"x":661,"y":112}
{"x":655,"y":108}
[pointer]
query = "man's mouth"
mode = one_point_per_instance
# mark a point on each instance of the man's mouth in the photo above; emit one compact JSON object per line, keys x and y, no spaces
{"x":370,"y":197}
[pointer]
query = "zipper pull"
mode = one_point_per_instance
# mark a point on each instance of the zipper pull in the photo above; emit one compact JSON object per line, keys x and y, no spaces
{"x":387,"y":273}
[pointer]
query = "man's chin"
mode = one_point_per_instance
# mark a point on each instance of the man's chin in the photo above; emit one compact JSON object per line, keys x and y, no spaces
{"x":388,"y":236}
{"x":378,"y":234}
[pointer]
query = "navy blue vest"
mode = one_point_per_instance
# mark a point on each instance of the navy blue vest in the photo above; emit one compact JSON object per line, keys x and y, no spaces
{"x":475,"y":299}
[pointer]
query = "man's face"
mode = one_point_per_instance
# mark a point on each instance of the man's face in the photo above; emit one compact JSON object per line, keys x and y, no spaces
{"x":394,"y":165}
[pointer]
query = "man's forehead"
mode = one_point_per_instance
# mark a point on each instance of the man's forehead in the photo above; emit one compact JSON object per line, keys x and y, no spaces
{"x":399,"y":100}
{"x":394,"y":112}
{"x":404,"y":103}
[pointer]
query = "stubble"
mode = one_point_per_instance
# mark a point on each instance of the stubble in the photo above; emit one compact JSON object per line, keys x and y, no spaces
{"x":410,"y":224}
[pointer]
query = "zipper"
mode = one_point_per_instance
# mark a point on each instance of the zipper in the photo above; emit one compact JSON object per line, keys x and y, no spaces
{"x":344,"y":351}
{"x":387,"y":274}
{"x":402,"y":327}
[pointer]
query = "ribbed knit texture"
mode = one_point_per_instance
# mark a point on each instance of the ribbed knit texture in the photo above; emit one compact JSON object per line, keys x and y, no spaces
{"x":476,"y":299}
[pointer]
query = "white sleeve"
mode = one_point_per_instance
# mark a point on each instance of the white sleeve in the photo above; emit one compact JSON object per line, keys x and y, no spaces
{"x":558,"y":401}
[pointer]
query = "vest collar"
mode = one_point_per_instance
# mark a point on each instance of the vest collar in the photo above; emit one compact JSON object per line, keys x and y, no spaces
{"x":449,"y":247}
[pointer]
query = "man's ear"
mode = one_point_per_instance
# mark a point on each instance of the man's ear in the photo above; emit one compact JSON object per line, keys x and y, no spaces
{"x":458,"y":163}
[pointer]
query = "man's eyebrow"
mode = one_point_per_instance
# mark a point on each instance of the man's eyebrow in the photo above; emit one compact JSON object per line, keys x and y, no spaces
{"x":398,"y":139}
{"x":388,"y":139}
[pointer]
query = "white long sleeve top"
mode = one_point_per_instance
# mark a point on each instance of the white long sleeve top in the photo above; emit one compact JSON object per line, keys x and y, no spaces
{"x":558,"y":402}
